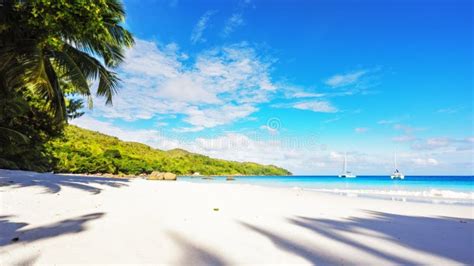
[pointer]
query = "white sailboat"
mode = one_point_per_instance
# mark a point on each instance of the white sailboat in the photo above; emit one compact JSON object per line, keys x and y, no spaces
{"x":396,"y":174}
{"x":345,"y":173}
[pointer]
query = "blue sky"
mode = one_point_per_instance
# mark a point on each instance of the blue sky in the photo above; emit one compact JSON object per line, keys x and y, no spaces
{"x":298,"y":83}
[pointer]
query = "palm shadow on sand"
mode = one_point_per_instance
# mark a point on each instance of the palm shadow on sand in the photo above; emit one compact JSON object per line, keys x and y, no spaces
{"x":52,"y":183}
{"x":433,"y":235}
{"x":311,"y":254}
{"x":194,"y":254}
{"x":13,"y":233}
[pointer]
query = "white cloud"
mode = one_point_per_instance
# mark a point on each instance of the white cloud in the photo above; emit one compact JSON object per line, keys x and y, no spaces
{"x":466,"y":144}
{"x":392,"y":121}
{"x":220,"y":86}
{"x":446,"y":162}
{"x":291,"y":92}
{"x":193,"y":86}
{"x":408,"y":132}
{"x":269,"y":129}
{"x":201,"y":25}
{"x":386,"y":122}
{"x":161,"y":124}
{"x":307,"y":95}
{"x":295,"y":155}
{"x":316,"y":106}
{"x":433,"y":143}
{"x":449,"y":110}
{"x":444,"y":143}
{"x":146,"y":59}
{"x":236,"y":20}
{"x":404,"y":138}
{"x":361,"y":129}
{"x":425,"y":161}
{"x":207,"y":118}
{"x":407,"y":129}
{"x":341,"y":80}
{"x":332,"y":120}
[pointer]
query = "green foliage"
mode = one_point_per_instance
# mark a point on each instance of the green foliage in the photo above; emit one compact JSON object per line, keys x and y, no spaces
{"x":114,"y":154}
{"x":25,"y":125}
{"x":85,"y":151}
{"x":52,"y":46}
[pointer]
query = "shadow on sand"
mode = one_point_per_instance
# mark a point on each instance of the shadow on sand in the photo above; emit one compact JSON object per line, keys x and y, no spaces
{"x":195,"y":255}
{"x":28,"y":261}
{"x":52,"y":183}
{"x":12,"y":233}
{"x":432,"y":235}
{"x":311,"y":254}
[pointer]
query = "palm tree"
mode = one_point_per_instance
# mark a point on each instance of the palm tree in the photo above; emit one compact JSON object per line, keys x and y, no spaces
{"x":46,"y":46}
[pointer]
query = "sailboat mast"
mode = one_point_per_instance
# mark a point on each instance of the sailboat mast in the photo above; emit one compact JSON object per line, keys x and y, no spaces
{"x":395,"y":161}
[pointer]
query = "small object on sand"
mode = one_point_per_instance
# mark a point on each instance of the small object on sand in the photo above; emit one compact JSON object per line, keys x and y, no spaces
{"x":216,"y":209}
{"x":15,"y":239}
{"x":230,"y":178}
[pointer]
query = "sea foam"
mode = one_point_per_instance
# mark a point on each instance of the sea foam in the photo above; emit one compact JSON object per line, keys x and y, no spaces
{"x":432,"y":193}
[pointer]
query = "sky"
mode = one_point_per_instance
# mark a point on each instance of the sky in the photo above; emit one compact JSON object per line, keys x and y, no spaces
{"x":299,"y":83}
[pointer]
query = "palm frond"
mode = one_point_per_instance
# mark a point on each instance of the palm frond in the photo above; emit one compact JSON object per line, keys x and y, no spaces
{"x":54,"y":95}
{"x":71,"y":72}
{"x":93,"y":69}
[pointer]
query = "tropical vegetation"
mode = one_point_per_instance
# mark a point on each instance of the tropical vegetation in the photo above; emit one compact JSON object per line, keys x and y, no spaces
{"x":51,"y":52}
{"x":85,"y":151}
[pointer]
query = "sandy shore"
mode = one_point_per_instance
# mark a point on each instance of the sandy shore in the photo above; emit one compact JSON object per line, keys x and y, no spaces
{"x":50,"y":219}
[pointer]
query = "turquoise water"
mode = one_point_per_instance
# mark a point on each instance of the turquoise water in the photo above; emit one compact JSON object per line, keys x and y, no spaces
{"x":450,"y":189}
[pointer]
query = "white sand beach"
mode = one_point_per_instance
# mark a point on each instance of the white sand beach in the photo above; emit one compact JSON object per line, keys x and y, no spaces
{"x":64,"y":219}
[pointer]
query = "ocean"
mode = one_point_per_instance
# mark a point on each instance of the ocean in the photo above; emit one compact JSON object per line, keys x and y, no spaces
{"x":432,"y":189}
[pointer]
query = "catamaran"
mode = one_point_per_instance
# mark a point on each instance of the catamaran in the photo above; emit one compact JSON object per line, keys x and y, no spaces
{"x":396,"y":174}
{"x":345,"y":173}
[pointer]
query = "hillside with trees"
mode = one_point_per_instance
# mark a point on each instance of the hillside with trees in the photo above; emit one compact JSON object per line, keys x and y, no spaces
{"x":85,"y":151}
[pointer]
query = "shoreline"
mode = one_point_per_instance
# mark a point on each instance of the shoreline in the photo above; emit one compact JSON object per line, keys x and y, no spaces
{"x":432,"y":195}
